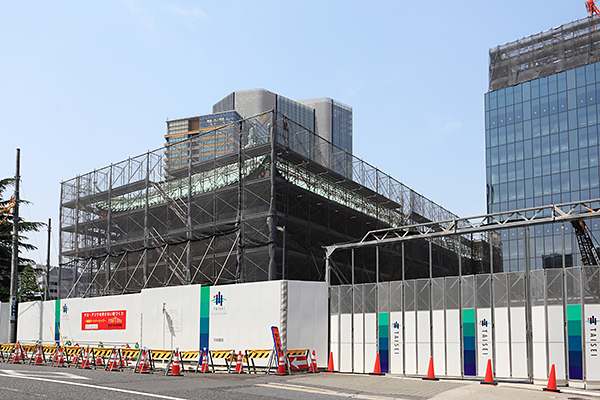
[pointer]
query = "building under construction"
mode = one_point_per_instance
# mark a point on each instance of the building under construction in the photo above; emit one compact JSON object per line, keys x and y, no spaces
{"x":243,"y":199}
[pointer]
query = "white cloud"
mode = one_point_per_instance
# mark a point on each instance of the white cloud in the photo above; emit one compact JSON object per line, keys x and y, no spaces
{"x":189,"y":14}
{"x":141,"y":13}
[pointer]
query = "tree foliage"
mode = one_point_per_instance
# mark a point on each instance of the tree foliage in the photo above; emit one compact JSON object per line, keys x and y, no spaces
{"x":6,"y":229}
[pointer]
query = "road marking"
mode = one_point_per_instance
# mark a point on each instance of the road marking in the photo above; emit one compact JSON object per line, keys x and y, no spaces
{"x":310,"y":389}
{"x":44,"y":374}
{"x":158,"y":396}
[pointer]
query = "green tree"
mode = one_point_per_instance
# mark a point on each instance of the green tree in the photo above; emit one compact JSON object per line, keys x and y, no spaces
{"x":29,"y":287}
{"x":6,"y":229}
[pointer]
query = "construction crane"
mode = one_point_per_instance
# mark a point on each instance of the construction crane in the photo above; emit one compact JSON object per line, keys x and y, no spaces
{"x":590,"y":6}
{"x":589,"y":253}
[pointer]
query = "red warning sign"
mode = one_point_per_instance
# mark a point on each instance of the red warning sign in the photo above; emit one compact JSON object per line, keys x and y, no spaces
{"x":103,"y":320}
{"x":298,"y":363}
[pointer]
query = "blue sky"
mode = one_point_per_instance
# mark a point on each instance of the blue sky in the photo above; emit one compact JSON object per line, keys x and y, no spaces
{"x":85,"y":84}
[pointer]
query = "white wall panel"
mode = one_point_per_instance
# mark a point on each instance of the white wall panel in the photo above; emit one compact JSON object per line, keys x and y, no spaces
{"x":423,"y":346}
{"x":502,"y":345}
{"x":453,"y":342}
{"x":556,"y":342}
{"x":518,"y":346}
{"x":439,"y":343}
{"x":538,"y":320}
{"x":359,"y":350}
{"x":346,"y":349}
{"x":410,"y":321}
{"x":334,"y":325}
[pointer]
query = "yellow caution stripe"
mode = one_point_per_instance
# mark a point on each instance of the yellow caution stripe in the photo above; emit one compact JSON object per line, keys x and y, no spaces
{"x":258,"y":353}
{"x":297,"y":352}
{"x":189,"y":355}
{"x":226,"y":354}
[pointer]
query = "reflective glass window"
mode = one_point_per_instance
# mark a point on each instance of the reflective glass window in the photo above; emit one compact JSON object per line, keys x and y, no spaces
{"x":545,"y":125}
{"x":537,"y":147}
{"x":552,"y":84}
{"x":509,"y":95}
{"x":543,"y":86}
{"x":584,"y":179}
{"x":547,"y":185}
{"x":535,"y":89}
{"x":555,"y":160}
{"x":590,"y":74}
{"x":562,"y":101}
{"x":563,"y":121}
{"x":593,"y":156}
{"x":501,"y":98}
{"x":583,"y":158}
{"x":527,"y":129}
{"x":572,"y":99}
{"x":581,"y":97}
{"x":546,"y":165}
{"x":519,"y":166}
{"x":528,"y":168}
{"x":512,"y":174}
{"x":510,"y":133}
{"x":574,"y":159}
{"x":519,"y":150}
{"x":571,"y":82}
{"x":502,"y":135}
{"x":591,"y":115}
{"x":581,"y":117}
{"x":591,"y":93}
{"x":564,"y":141}
{"x":592,"y":133}
{"x":493,"y":99}
{"x":580,"y":72}
{"x":554,"y":144}
{"x":535,"y":108}
{"x":564,"y":161}
{"x":562,"y":81}
{"x":544,"y":106}
{"x":518,"y":131}
{"x":545,"y":145}
{"x":564,"y":182}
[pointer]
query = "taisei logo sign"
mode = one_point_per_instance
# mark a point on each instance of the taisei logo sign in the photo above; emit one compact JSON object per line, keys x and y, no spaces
{"x":218,"y":307}
{"x":593,"y":336}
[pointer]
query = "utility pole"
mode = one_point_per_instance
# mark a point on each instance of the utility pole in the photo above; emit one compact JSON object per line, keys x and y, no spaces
{"x":47,"y":291}
{"x":14,"y":269}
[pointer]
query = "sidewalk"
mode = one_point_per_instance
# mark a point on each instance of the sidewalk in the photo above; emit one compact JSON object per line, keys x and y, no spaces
{"x":394,"y":387}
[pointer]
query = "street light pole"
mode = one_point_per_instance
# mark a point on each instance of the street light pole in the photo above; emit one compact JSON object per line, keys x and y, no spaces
{"x":14,"y":269}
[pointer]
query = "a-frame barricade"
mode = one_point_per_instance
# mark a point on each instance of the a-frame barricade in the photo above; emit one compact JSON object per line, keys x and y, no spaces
{"x":17,"y":354}
{"x":252,"y":355}
{"x":144,"y":363}
{"x":228,"y":356}
{"x":115,"y":361}
{"x":38,"y":357}
{"x":203,"y":364}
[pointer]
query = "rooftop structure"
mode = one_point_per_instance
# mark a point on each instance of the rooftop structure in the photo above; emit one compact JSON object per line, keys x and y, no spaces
{"x":554,"y":50}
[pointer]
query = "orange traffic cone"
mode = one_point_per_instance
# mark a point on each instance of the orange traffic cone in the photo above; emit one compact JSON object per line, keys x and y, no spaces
{"x":99,"y":362}
{"x":239,"y":365}
{"x":59,"y":359}
{"x":75,"y":359}
{"x":143,"y":363}
{"x":175,"y":366}
{"x":377,"y":368}
{"x":313,"y":362}
{"x":85,"y":360}
{"x":204,"y":361}
{"x":330,"y":368}
{"x":489,"y":378}
{"x":113,"y":364}
{"x":552,"y":382}
{"x":281,"y":369}
{"x":430,"y":373}
{"x":39,"y":358}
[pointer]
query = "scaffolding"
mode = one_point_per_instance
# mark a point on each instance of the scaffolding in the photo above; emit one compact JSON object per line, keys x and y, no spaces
{"x":551,"y":51}
{"x":155,"y":221}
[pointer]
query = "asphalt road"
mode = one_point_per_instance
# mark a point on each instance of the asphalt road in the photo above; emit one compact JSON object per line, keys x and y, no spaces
{"x":19,"y":381}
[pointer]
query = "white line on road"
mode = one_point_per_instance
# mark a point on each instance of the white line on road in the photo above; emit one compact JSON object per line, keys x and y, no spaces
{"x":158,"y":396}
{"x":310,"y":389}
{"x":42,"y":374}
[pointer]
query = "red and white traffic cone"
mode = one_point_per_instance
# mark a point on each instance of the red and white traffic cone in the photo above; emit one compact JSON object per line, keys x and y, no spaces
{"x":39,"y":358}
{"x":239,"y":366}
{"x":85,"y":361}
{"x":113,"y":364}
{"x":377,"y":367}
{"x":281,"y":368}
{"x":330,"y":368}
{"x":75,"y":359}
{"x":430,"y":372}
{"x":99,"y":361}
{"x":59,"y":360}
{"x":175,"y":365}
{"x":313,"y":362}
{"x":204,"y":367}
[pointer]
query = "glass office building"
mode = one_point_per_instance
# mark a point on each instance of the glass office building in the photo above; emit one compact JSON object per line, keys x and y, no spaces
{"x":542,"y":136}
